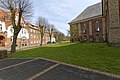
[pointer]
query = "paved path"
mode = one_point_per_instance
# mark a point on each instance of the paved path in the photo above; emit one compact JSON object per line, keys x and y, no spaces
{"x":20,"y":49}
{"x":40,"y":69}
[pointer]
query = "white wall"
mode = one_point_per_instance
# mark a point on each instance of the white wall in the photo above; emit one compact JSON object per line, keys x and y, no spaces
{"x":21,"y":33}
{"x":9,"y":33}
{"x":3,"y":26}
{"x":53,"y":40}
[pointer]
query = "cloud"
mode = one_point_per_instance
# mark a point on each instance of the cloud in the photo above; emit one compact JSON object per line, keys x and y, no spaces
{"x":60,"y":12}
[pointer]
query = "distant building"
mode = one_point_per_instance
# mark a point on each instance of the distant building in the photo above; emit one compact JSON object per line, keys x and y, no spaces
{"x":34,"y":34}
{"x":89,"y":26}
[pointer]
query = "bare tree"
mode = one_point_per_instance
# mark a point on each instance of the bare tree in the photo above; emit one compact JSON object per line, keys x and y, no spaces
{"x":50,"y":30}
{"x":42,"y":23}
{"x":19,"y":8}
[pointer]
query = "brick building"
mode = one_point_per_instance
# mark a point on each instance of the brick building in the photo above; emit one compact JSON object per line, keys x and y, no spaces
{"x":89,"y":26}
{"x":34,"y":34}
{"x":6,"y":31}
{"x":4,"y":26}
{"x":28,"y":35}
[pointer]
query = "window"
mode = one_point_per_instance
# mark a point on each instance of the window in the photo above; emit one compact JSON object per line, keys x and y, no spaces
{"x":22,"y":24}
{"x":85,"y":38}
{"x":11,"y":38}
{"x":30,"y":30}
{"x":97,"y":27}
{"x":0,"y":27}
{"x":11,"y":30}
{"x":4,"y":17}
{"x":24,"y":31}
{"x":34,"y":36}
{"x":24,"y":40}
{"x":97,"y":38}
{"x":85,"y":28}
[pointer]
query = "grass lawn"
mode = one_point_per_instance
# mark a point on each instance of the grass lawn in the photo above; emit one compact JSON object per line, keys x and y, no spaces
{"x":92,"y":55}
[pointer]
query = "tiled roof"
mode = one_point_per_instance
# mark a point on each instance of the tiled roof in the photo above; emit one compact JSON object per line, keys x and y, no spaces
{"x":91,"y":11}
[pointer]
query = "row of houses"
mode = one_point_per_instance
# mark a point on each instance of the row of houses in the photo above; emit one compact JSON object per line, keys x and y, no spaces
{"x":28,"y":35}
{"x":98,"y":23}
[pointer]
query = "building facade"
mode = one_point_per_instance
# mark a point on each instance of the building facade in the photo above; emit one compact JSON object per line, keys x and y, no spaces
{"x":89,"y":26}
{"x":6,"y":31}
{"x":28,"y":35}
{"x":34,"y":34}
{"x":111,"y":12}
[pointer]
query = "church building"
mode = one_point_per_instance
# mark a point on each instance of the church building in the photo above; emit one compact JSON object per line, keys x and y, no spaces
{"x":111,"y":12}
{"x":89,"y":26}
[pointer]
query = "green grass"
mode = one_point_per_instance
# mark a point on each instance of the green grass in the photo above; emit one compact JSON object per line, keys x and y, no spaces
{"x":92,"y":55}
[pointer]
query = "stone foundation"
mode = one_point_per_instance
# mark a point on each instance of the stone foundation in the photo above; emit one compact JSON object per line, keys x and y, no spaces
{"x":114,"y":44}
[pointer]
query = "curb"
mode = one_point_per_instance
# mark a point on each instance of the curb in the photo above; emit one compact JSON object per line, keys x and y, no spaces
{"x":84,"y":68}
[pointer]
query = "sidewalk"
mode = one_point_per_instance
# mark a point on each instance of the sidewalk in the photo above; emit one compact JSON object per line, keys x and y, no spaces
{"x":20,"y":48}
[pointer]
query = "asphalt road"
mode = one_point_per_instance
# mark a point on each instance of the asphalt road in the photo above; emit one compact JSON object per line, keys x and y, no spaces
{"x":39,"y":69}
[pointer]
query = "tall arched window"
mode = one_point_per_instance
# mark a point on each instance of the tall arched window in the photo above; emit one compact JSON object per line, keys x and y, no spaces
{"x":85,"y":28}
{"x":97,"y":26}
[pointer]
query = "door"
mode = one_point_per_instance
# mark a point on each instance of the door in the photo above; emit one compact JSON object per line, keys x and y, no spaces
{"x":2,"y":41}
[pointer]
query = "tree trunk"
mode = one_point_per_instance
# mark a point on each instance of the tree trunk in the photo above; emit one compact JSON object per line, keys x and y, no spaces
{"x":13,"y":46}
{"x":41,"y":40}
{"x":50,"y":39}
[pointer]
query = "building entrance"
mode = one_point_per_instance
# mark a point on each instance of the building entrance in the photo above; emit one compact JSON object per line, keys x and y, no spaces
{"x":2,"y":41}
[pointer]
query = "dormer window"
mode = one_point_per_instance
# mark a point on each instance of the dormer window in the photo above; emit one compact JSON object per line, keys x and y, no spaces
{"x":85,"y":28}
{"x":97,"y":26}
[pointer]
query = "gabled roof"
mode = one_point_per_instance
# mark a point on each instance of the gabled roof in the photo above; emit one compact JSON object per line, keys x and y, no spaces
{"x":89,"y":12}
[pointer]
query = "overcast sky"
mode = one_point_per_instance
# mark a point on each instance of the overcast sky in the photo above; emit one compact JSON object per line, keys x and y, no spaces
{"x":60,"y":12}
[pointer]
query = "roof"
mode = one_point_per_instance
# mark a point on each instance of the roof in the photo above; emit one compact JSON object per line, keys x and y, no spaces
{"x":89,"y":12}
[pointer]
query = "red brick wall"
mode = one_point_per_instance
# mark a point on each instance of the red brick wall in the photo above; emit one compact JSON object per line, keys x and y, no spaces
{"x":96,"y":36}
